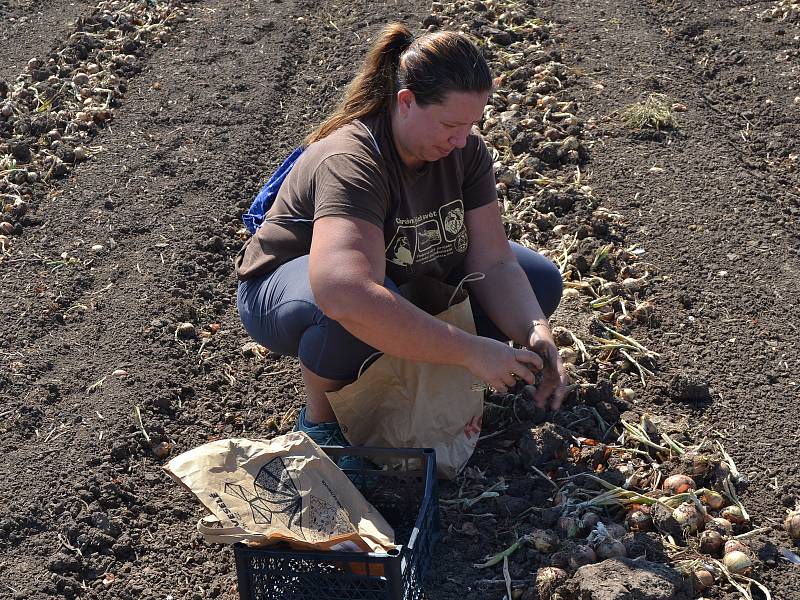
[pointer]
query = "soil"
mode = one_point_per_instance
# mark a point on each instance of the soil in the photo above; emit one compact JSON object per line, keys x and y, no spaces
{"x":86,"y":509}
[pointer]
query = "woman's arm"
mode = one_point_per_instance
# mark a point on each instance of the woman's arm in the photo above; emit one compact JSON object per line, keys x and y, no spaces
{"x":347,"y":269}
{"x":508,"y":299}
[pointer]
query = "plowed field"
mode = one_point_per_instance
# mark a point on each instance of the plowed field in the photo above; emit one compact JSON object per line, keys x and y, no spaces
{"x":108,"y":249}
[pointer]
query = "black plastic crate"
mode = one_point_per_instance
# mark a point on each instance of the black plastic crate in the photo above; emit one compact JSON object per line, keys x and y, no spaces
{"x":405,"y":495}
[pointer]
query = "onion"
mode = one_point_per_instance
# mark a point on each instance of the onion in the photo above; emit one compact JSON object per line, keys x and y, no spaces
{"x":644,"y":312}
{"x":679,"y":484}
{"x":792,"y":524}
{"x":735,"y":546}
{"x":702,"y":580}
{"x":616,"y":530}
{"x":721,"y":470}
{"x":737,"y":562}
{"x":582,"y":555}
{"x":561,"y":336}
{"x":544,"y":541}
{"x":624,"y":321}
{"x":162,"y":449}
{"x":568,"y":526}
{"x":639,"y":520}
{"x":734,"y":514}
{"x":568,"y":356}
{"x":713,"y":500}
{"x":711,"y":543}
{"x":589,"y":520}
{"x":700,"y":464}
{"x":632,"y":284}
{"x":611,"y":288}
{"x":610,"y":549}
{"x":688,"y":517}
{"x":720,"y":525}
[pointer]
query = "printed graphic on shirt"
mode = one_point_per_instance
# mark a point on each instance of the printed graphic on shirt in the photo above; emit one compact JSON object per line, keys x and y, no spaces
{"x":452,"y":215}
{"x":429,"y":237}
{"x":402,"y":248}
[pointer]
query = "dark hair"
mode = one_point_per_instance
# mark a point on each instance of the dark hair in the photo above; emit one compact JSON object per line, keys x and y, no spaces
{"x":430,"y":66}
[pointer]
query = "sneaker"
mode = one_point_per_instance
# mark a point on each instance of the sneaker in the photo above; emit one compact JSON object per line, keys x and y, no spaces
{"x":324,"y":434}
{"x":330,"y":434}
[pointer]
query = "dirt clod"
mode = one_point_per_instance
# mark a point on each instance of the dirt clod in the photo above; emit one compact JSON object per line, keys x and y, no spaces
{"x":625,"y":578}
{"x":689,"y":388}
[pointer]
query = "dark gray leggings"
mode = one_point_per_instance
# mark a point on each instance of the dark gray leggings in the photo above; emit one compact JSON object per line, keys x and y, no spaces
{"x":278,"y":310}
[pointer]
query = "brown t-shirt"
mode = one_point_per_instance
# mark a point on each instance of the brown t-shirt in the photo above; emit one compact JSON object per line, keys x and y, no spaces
{"x":357,"y":172}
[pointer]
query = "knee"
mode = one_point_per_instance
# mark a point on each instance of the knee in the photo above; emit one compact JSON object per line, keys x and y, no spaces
{"x":548,"y":285}
{"x":553,"y":289}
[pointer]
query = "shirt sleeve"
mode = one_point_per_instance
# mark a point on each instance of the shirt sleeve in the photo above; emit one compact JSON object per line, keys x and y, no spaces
{"x":350,"y":185}
{"x":479,"y":187}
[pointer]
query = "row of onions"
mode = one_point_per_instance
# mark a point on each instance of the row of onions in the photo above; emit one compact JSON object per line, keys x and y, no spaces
{"x":686,"y":495}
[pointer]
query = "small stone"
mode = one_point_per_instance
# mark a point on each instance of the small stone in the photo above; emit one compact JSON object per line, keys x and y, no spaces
{"x":97,"y":248}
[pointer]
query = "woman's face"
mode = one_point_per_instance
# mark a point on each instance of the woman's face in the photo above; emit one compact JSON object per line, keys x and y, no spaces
{"x":428,"y":133}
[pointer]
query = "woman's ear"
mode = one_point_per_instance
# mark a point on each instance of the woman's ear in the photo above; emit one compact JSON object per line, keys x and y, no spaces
{"x":405,"y":101}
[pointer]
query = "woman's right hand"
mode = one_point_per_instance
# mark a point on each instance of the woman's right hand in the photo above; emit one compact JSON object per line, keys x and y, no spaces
{"x":497,"y":363}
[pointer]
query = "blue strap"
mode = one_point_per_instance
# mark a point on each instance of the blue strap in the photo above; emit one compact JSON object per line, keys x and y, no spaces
{"x":254,"y":217}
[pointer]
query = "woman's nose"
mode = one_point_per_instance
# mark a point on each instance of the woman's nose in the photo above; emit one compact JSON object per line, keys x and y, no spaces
{"x":459,"y":140}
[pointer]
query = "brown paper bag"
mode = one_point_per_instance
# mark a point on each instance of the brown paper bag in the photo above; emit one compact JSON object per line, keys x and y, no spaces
{"x":281,"y":490}
{"x":405,"y":404}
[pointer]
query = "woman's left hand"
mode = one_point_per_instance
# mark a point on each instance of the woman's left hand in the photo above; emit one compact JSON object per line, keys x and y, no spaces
{"x":553,"y":386}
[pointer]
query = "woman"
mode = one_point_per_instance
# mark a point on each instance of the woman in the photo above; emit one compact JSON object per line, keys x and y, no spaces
{"x":394,"y":186}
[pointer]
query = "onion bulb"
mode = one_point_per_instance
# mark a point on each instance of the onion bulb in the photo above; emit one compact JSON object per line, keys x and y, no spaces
{"x":568,"y":526}
{"x":639,"y":520}
{"x":737,"y":562}
{"x":582,"y":555}
{"x":616,"y":530}
{"x":792,"y":524}
{"x":610,"y":548}
{"x":688,"y":517}
{"x":711,"y":542}
{"x":644,"y":311}
{"x":713,"y":500}
{"x":702,"y":580}
{"x":624,"y":321}
{"x":589,"y":520}
{"x":544,"y":541}
{"x":734,"y":514}
{"x":720,"y":525}
{"x":701,"y":463}
{"x":162,"y":449}
{"x":734,"y":546}
{"x":568,"y":355}
{"x":678,"y":484}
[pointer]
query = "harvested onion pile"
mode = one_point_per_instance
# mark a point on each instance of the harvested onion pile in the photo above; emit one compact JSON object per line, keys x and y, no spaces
{"x":51,"y":112}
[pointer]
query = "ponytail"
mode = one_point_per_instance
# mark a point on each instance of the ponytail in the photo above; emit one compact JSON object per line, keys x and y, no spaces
{"x":430,"y":66}
{"x":375,"y":83}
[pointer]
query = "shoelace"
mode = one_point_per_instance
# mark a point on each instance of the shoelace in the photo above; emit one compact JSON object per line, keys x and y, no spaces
{"x":334,"y":437}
